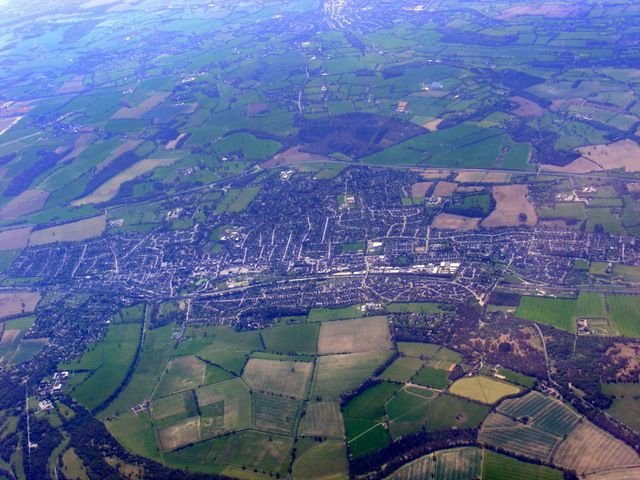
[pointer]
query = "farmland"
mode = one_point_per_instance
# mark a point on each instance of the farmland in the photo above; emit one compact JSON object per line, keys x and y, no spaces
{"x":341,"y":373}
{"x":552,"y":311}
{"x":354,"y":336}
{"x":74,"y":231}
{"x":289,"y":378}
{"x":15,"y":303}
{"x":302,"y":239}
{"x":483,"y":389}
{"x":625,"y":314}
{"x":501,"y":467}
{"x":444,"y":464}
{"x":109,"y":362}
{"x":625,"y":403}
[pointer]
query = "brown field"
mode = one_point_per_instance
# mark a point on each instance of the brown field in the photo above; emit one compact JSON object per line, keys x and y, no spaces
{"x":354,"y":336}
{"x":470,"y":188}
{"x":553,"y":223}
{"x":70,"y":232}
{"x":73,"y":85}
{"x":419,"y":189}
{"x":28,"y":201}
{"x":445,"y":189}
{"x":14,"y":239}
{"x":432,"y":126}
{"x":579,"y":165}
{"x":110,"y":188}
{"x":15,"y":303}
{"x":588,"y":449}
{"x":7,"y":122}
{"x":279,"y":377}
{"x":511,"y":201}
{"x":130,"y":471}
{"x":483,"y":177}
{"x":116,"y":152}
{"x":180,"y":434}
{"x":174,"y":143}
{"x":431,"y":174}
{"x":255,"y":109}
{"x":79,"y":145}
{"x":623,"y":154}
{"x":526,"y":108}
{"x":625,"y":473}
{"x":448,"y":221}
{"x":553,"y":10}
{"x":322,"y":419}
{"x":292,"y":156}
{"x":141,"y":109}
{"x":8,"y":336}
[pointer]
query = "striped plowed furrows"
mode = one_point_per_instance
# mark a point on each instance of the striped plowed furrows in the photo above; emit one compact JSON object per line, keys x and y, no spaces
{"x":501,"y":431}
{"x":588,"y":449}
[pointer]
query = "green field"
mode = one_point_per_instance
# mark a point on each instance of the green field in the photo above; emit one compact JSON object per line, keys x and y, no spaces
{"x":423,"y":307}
{"x":463,"y":146}
{"x":268,"y":452}
{"x":624,"y":311}
{"x":20,"y":323}
{"x":135,"y":433}
{"x":323,"y":460}
{"x":327,"y":314}
{"x":447,"y":411}
{"x":302,"y":338}
{"x":557,"y":312}
{"x":224,"y":407}
{"x":156,"y":350}
{"x":517,"y":378}
{"x":221,"y":346}
{"x":626,"y":403}
{"x":407,"y":410}
{"x":337,"y":374}
{"x":182,"y":373}
{"x":109,"y":360}
{"x":421,"y":350}
{"x":444,"y":358}
{"x":237,"y":200}
{"x":627,"y":272}
{"x":452,"y":464}
{"x":402,"y":369}
{"x":431,"y":377}
{"x":500,"y":467}
{"x":564,"y":210}
{"x":364,"y":419}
